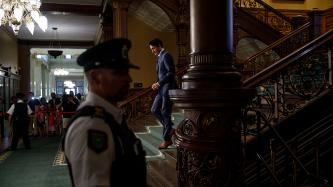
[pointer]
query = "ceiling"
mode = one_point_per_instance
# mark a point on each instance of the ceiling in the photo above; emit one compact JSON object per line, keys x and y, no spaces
{"x":78,"y":20}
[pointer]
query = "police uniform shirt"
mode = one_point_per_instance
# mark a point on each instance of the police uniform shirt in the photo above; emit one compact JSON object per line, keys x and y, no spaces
{"x":11,"y":109}
{"x":89,"y":167}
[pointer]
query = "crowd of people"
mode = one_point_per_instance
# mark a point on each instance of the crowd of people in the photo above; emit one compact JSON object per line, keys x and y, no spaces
{"x":99,"y":148}
{"x":45,"y":118}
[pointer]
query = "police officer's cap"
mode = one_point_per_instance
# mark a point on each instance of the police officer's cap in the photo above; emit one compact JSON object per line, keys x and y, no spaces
{"x":112,"y":54}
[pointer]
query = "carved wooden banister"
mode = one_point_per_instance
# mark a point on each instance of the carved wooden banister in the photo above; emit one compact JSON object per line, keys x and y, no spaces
{"x":277,"y":50}
{"x":289,"y":84}
{"x":301,"y":79}
{"x":140,"y":103}
{"x":265,"y":13}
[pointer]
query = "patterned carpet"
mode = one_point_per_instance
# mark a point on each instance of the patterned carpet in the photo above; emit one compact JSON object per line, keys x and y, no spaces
{"x":41,"y":166}
{"x":44,"y":165}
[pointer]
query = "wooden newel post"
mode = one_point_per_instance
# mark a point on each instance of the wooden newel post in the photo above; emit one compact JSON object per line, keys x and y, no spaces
{"x":209,"y":139}
{"x":316,"y":18}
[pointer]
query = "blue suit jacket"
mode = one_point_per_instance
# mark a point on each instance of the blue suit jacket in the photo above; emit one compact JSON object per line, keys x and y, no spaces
{"x":165,"y":68}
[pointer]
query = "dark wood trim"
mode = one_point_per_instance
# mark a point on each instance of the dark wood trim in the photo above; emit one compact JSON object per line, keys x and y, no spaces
{"x":251,"y":25}
{"x":70,"y":44}
{"x":89,"y":10}
{"x":328,"y":19}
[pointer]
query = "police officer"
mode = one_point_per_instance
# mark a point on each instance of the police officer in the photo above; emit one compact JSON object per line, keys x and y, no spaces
{"x":19,"y":121}
{"x":99,"y":147}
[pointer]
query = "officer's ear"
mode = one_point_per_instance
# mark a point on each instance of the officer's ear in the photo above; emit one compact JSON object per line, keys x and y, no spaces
{"x":94,"y":76}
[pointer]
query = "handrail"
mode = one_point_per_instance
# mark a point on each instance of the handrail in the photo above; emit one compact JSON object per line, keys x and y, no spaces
{"x":135,"y":96}
{"x":281,"y":47}
{"x":278,"y":42}
{"x":286,"y":61}
{"x":252,"y":4}
{"x":146,"y":90}
{"x":266,"y":6}
{"x":294,"y":157}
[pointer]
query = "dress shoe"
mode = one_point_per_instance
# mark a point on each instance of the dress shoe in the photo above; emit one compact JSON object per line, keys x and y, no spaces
{"x":165,"y":144}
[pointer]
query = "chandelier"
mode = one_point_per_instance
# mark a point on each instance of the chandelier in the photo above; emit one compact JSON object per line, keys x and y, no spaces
{"x":60,"y":72}
{"x":54,"y":50}
{"x":18,"y":12}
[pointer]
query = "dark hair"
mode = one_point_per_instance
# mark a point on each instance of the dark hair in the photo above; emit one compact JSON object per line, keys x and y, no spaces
{"x":156,"y":42}
{"x":20,"y":95}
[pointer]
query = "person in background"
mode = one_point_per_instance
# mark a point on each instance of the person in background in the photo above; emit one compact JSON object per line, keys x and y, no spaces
{"x":69,"y":106}
{"x":13,"y":100}
{"x":43,"y":102}
{"x":166,"y":80}
{"x":2,"y":118}
{"x":41,"y":121}
{"x":19,"y":122}
{"x":33,"y":104}
{"x":79,"y":97}
{"x":53,"y":105}
{"x":99,"y":147}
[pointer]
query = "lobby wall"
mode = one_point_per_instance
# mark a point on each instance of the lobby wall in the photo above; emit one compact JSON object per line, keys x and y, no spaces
{"x":140,"y":34}
{"x":8,"y":50}
{"x":300,"y":4}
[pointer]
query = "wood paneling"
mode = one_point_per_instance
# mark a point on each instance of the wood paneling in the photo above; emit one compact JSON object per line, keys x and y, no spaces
{"x":328,"y":19}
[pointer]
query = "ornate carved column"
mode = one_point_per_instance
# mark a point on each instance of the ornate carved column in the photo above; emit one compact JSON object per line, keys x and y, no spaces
{"x":209,"y":140}
{"x":120,"y":8}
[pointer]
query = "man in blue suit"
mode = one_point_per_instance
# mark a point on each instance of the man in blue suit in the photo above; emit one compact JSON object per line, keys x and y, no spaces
{"x":162,"y":106}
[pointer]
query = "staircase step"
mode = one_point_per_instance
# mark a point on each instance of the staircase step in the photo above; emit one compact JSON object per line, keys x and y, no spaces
{"x":177,"y":117}
{"x":150,"y":145}
{"x":156,"y":131}
{"x":151,"y":140}
{"x":162,"y":173}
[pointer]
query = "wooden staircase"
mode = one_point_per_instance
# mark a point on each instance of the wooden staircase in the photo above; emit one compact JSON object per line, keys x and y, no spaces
{"x":161,"y":164}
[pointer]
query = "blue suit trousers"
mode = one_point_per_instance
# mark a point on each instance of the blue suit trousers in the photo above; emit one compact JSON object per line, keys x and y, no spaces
{"x":162,"y":108}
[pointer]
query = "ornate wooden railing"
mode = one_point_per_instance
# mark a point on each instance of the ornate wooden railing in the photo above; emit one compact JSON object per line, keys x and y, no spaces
{"x":285,"y":162}
{"x":277,"y":50}
{"x":140,"y":103}
{"x":266,"y":14}
{"x":287,"y":85}
{"x":285,"y":88}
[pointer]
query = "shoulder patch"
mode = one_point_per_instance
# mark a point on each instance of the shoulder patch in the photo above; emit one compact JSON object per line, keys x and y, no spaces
{"x":97,"y":140}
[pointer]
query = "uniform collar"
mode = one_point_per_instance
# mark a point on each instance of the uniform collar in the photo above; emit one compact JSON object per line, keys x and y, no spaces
{"x":94,"y":100}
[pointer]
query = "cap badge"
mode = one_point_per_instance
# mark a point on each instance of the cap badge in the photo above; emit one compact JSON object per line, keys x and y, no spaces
{"x":124,"y":52}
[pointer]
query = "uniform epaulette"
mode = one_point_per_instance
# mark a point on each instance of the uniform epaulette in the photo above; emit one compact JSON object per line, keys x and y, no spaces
{"x":99,"y":112}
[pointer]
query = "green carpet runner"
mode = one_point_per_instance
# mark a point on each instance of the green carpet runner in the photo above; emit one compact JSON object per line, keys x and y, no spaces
{"x":39,"y":167}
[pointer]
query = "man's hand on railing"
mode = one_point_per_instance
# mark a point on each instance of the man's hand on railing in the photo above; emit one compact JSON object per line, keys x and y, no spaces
{"x":155,"y":86}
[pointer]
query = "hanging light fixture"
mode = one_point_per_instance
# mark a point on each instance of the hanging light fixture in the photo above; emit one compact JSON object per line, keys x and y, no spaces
{"x":60,"y":72}
{"x":18,"y":12}
{"x":55,"y":51}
